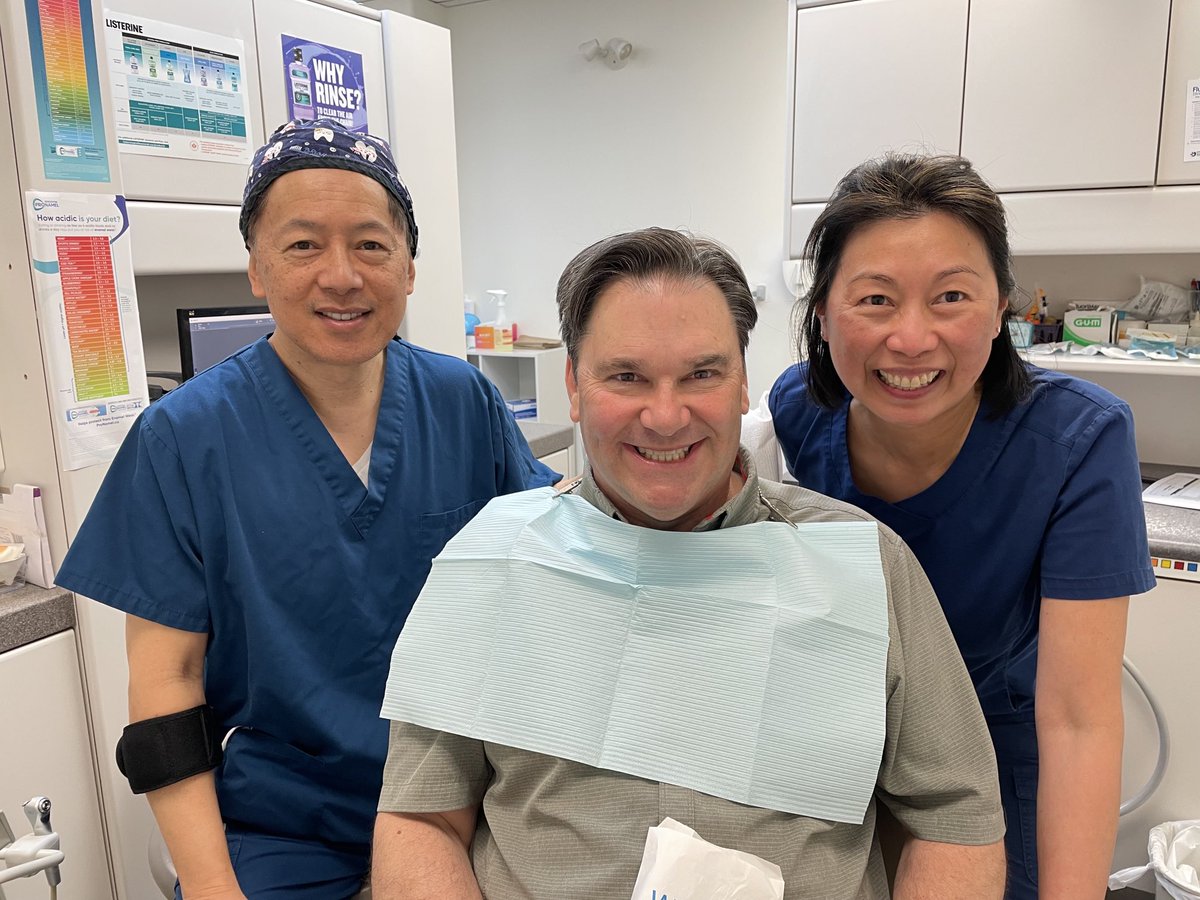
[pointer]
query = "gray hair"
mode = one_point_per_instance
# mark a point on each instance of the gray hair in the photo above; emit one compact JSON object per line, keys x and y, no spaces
{"x":642,"y":256}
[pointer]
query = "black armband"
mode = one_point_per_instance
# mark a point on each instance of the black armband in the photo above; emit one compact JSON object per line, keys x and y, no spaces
{"x":157,"y":752}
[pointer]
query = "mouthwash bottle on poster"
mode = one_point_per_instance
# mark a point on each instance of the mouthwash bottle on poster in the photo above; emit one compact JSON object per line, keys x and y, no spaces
{"x":470,"y":320}
{"x":300,"y":84}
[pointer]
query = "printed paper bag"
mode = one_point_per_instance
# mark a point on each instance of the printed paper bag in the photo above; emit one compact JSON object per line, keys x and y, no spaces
{"x":678,"y":864}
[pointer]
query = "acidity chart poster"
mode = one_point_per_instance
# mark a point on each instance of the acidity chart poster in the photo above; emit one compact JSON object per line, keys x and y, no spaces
{"x":88,"y":316}
{"x":324,"y":82}
{"x":177,"y":91}
{"x":66,"y":88}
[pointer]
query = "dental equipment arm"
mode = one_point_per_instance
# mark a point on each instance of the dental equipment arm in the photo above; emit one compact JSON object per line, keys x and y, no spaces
{"x":35,"y":852}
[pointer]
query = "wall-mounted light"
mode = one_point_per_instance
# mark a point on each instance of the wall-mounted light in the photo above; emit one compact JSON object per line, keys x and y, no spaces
{"x":615,"y":53}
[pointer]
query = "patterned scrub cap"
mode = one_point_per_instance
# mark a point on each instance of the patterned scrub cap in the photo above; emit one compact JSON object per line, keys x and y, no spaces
{"x":324,"y":144}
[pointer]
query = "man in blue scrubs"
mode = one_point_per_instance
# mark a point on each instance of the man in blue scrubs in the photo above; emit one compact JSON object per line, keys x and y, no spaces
{"x":268,"y":525}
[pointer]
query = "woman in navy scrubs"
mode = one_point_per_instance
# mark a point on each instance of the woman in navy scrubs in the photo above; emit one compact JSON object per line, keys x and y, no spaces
{"x":1017,"y":488}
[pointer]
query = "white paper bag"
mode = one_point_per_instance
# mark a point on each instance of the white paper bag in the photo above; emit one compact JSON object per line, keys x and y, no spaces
{"x":22,"y":521}
{"x":678,"y":864}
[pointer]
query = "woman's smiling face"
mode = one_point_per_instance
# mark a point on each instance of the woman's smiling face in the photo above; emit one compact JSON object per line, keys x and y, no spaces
{"x":910,"y":317}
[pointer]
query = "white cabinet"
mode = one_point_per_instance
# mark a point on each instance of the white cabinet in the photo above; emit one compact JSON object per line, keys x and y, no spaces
{"x":529,"y":374}
{"x":1064,"y":93}
{"x":561,"y":461}
{"x":1057,"y":102}
{"x":872,"y":76}
{"x":45,"y":750}
{"x":1183,"y":66}
{"x":1161,"y":642}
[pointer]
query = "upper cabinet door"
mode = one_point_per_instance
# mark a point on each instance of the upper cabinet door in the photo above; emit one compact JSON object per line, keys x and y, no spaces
{"x":332,"y":66}
{"x":873,"y":76}
{"x":1064,"y":93}
{"x":1176,"y":164}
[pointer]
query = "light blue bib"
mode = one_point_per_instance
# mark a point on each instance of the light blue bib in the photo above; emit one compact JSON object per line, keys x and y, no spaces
{"x":746,"y":662}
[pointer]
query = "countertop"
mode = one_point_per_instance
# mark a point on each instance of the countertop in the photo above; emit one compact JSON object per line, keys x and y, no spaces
{"x":545,"y":438}
{"x":31,"y":613}
{"x":1173,"y":532}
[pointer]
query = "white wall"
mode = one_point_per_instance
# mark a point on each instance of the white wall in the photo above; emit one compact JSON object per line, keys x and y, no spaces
{"x":555,"y":152}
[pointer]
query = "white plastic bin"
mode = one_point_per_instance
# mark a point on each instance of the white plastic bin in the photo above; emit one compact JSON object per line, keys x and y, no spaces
{"x":1174,"y":867}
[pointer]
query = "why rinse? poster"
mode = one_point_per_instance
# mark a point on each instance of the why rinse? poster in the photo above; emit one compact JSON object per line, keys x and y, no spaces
{"x":324,"y":82}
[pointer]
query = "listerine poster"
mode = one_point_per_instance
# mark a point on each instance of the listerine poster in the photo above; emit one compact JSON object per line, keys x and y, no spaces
{"x":88,"y":319}
{"x":177,"y":91}
{"x":324,"y":82}
{"x":66,"y":84}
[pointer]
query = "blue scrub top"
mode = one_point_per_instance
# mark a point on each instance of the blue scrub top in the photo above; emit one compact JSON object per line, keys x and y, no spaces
{"x":1044,"y":501}
{"x":230,"y":510}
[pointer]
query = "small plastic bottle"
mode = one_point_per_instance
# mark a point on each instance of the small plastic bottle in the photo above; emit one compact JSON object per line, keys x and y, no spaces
{"x":470,"y":320}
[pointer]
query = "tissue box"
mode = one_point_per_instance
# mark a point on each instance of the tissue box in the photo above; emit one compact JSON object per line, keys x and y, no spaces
{"x":1090,"y":324}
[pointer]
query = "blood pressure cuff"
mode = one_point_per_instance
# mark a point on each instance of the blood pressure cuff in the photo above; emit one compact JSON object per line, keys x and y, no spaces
{"x":158,"y":752}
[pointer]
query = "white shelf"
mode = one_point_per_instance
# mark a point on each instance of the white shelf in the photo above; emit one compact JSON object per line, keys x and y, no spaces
{"x":1105,"y":365}
{"x":520,"y":374}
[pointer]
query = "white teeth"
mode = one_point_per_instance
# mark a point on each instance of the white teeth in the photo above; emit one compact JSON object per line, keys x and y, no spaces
{"x":342,"y":317}
{"x":906,"y":382}
{"x":663,"y":455}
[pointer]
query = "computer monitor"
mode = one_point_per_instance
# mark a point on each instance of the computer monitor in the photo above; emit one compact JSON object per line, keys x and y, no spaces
{"x":207,"y":336}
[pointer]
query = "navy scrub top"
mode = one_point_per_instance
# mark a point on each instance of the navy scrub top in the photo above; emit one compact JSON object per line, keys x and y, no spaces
{"x":229,"y":509}
{"x":1044,"y":501}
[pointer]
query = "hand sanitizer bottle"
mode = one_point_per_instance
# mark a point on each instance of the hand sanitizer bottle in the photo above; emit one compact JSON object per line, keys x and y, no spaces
{"x":504,"y":328}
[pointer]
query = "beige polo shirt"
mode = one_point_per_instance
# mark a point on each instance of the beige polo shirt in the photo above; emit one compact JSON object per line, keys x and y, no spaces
{"x":549,"y":828}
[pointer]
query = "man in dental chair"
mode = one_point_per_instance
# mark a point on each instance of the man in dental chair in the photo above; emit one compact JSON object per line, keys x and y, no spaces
{"x":267,"y":526}
{"x":674,"y":637}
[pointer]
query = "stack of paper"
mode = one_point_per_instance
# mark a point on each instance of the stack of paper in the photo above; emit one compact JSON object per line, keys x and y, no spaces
{"x":1181,"y":489}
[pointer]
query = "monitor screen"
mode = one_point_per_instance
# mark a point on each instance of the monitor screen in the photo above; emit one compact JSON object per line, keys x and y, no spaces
{"x":207,"y":336}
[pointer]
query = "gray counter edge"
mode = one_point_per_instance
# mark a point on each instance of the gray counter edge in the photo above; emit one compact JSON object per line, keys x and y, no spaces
{"x":545,"y":438}
{"x":31,"y":613}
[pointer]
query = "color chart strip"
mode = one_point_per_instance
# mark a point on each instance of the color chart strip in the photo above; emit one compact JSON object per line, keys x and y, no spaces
{"x":93,"y":319}
{"x":66,"y":73}
{"x":66,"y":81}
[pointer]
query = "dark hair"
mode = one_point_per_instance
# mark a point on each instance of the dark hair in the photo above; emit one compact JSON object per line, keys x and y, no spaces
{"x":901,"y":186}
{"x":644,"y":255}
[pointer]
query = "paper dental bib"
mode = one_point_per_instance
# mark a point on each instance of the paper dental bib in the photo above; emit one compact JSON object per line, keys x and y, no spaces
{"x":746,"y":662}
